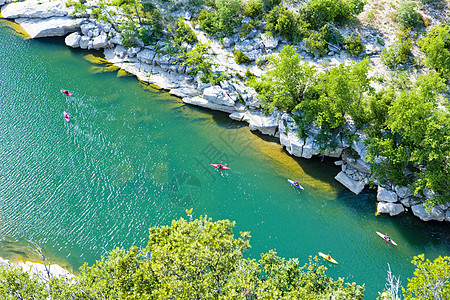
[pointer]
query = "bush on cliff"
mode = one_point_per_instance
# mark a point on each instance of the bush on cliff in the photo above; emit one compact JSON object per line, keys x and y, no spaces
{"x":436,"y":45}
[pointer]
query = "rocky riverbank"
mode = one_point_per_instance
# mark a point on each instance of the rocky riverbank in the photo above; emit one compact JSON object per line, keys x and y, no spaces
{"x":43,"y":272}
{"x":153,"y":65}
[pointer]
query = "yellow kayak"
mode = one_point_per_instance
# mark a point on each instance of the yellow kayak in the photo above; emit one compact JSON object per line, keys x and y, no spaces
{"x":326,"y":258}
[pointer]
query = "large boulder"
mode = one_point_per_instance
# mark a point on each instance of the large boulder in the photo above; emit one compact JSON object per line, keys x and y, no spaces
{"x":270,"y":42}
{"x":435,"y":214}
{"x":35,"y":9}
{"x":293,"y":143}
{"x":217,"y":95}
{"x":244,"y":46}
{"x":146,"y":56}
{"x":392,"y":209}
{"x":84,"y":42}
{"x":259,"y":121}
{"x":386,"y":195}
{"x":57,"y":26}
{"x":73,"y":40}
{"x":199,"y":101}
{"x":100,"y":41}
{"x":310,"y":147}
{"x":354,"y":186}
{"x":403,"y":191}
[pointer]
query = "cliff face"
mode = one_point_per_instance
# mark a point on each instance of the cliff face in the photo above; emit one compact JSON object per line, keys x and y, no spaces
{"x":153,"y":62}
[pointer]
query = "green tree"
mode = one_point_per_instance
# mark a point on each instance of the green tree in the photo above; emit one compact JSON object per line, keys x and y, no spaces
{"x":407,"y":16}
{"x":436,"y":45}
{"x":431,"y":279}
{"x":286,"y":82}
{"x":15,"y":284}
{"x":338,"y":92}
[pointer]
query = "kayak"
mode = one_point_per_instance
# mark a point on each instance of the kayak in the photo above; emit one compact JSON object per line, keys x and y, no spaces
{"x":293,"y":183}
{"x":324,"y":256}
{"x":67,"y":93}
{"x":386,"y":239}
{"x":66,"y":116}
{"x":220,"y":167}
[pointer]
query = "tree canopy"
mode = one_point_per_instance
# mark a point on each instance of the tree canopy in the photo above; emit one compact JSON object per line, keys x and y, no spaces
{"x":197,"y":259}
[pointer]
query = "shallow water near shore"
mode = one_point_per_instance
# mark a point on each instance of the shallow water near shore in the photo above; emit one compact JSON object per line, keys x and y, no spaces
{"x":133,"y":157}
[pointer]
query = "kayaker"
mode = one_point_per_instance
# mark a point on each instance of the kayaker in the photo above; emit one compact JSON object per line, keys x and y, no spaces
{"x":296,"y":183}
{"x":220,"y":166}
{"x":328,"y":255}
{"x":388,"y":238}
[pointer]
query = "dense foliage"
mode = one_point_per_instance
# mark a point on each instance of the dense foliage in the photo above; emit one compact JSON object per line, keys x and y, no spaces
{"x":197,"y":259}
{"x":409,"y":134}
{"x":407,"y":16}
{"x":431,"y":279}
{"x":436,"y":45}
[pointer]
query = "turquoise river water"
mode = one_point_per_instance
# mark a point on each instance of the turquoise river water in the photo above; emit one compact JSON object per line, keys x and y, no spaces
{"x":132,"y":157}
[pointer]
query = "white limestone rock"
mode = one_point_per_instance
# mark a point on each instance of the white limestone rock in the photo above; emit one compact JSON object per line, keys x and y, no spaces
{"x":132,"y":52}
{"x":270,"y":42}
{"x":405,"y":202}
{"x":360,"y":165}
{"x":354,"y":186}
{"x":258,"y":121}
{"x":293,"y":143}
{"x":56,"y":26}
{"x":244,"y":46}
{"x":73,"y":40}
{"x":84,"y":42}
{"x":435,"y":214}
{"x":310,"y":148}
{"x":386,"y":195}
{"x":184,"y":92}
{"x":447,"y":216}
{"x":358,"y":145}
{"x":40,"y":270}
{"x":217,"y":95}
{"x":120,"y":51}
{"x":199,"y":101}
{"x":392,"y":209}
{"x":402,"y":191}
{"x":100,"y":41}
{"x":146,"y":56}
{"x":35,"y":9}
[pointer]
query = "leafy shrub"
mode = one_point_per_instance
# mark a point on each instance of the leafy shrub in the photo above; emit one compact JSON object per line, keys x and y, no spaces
{"x":353,"y":45}
{"x":436,"y":45}
{"x":253,"y":8}
{"x":407,"y":16}
{"x":228,"y":15}
{"x":283,"y":22}
{"x":269,"y":4}
{"x":184,"y":33}
{"x":319,"y":12}
{"x":248,"y":73}
{"x":240,"y":57}
{"x":196,"y":62}
{"x":399,"y":52}
{"x":316,"y":43}
{"x":208,"y":21}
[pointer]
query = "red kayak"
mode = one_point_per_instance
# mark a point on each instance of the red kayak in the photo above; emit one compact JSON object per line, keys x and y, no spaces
{"x":66,"y":116}
{"x":67,"y":93}
{"x":219,"y":166}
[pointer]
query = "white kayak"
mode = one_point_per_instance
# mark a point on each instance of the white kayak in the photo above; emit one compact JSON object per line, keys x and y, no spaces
{"x":384,"y":237}
{"x":295,"y":185}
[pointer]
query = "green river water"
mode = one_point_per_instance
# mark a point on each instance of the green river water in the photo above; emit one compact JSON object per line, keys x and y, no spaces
{"x":133,"y":157}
